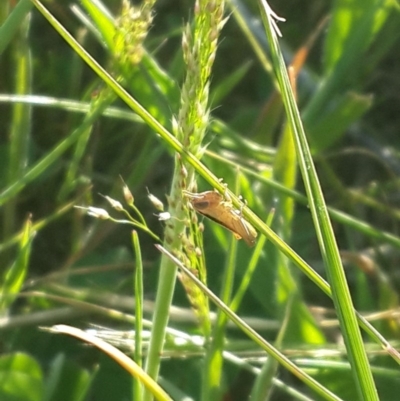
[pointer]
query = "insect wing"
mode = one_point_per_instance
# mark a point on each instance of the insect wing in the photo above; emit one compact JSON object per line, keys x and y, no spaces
{"x":244,"y":228}
{"x":212,"y":205}
{"x":251,"y":233}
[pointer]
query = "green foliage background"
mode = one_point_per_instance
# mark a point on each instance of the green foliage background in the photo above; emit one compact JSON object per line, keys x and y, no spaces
{"x":66,"y":139}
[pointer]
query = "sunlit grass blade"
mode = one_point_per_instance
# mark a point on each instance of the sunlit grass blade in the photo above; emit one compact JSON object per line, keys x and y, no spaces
{"x":128,"y":364}
{"x":103,"y":21}
{"x":138,"y":291}
{"x":330,"y":253}
{"x":70,"y":105}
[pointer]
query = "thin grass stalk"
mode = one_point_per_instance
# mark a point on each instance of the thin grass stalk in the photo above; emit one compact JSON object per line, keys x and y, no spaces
{"x":138,"y":291}
{"x":199,"y":48}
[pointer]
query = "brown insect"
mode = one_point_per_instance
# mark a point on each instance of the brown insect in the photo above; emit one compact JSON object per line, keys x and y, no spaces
{"x":213,"y":205}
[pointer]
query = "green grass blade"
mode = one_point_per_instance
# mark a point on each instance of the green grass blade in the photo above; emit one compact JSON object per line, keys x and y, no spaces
{"x":128,"y":364}
{"x":103,"y":21}
{"x":330,"y":253}
{"x":138,"y":291}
